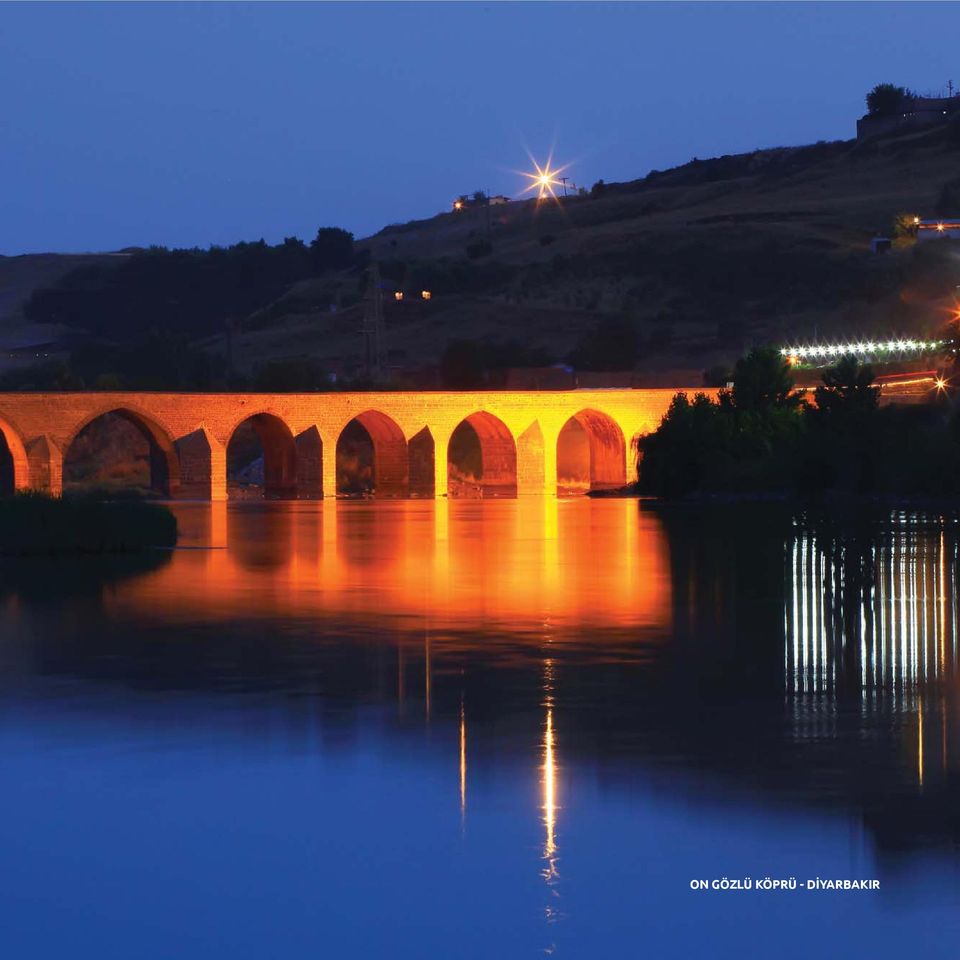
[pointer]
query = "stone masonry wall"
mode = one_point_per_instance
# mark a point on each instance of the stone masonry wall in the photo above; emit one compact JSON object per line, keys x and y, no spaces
{"x":192,"y":431}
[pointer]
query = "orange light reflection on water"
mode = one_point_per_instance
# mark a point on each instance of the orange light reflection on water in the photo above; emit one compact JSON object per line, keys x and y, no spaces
{"x":435,"y":565}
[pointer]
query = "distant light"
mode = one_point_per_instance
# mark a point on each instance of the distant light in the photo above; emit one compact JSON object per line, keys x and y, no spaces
{"x":861,"y":348}
{"x":426,"y":294}
{"x":916,"y":221}
{"x":545,"y":179}
{"x":940,"y":227}
{"x":941,"y":383}
{"x":457,"y":204}
{"x":398,"y":295}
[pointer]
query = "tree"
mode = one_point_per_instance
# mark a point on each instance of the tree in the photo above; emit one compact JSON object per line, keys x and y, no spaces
{"x":762,"y":382}
{"x":846,"y":442}
{"x":479,"y":197}
{"x":904,"y":226}
{"x":886,"y":99}
{"x":332,"y":249}
{"x":690,"y":451}
{"x":847,"y":392}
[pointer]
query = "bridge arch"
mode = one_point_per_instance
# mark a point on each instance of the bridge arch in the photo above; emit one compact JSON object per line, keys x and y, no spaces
{"x":14,"y":468}
{"x":482,"y":458}
{"x":372,"y":457}
{"x":90,"y":443}
{"x":262,"y":435}
{"x":591,"y":454}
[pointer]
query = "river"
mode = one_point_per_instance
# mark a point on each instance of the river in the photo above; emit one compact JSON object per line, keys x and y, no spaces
{"x":478,"y":729}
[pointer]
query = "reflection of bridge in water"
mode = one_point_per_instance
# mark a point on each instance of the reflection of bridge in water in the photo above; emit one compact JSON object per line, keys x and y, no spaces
{"x":413,"y":444}
{"x":573,"y":636}
{"x":449,"y":567}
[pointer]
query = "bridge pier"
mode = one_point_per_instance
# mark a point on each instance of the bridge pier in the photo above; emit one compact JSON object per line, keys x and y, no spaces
{"x":537,"y":461}
{"x":328,"y":469}
{"x":440,"y":471}
{"x":309,"y":469}
{"x":203,"y":467}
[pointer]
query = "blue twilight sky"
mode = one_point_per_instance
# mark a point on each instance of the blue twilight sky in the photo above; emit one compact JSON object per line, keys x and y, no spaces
{"x":191,"y":124}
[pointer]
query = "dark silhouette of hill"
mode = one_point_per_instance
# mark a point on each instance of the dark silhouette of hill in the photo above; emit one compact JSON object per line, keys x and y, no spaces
{"x":680,"y":269}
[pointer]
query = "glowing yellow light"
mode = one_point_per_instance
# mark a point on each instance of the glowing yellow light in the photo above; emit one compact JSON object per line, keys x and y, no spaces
{"x":916,"y":220}
{"x":863,"y":347}
{"x":941,"y":383}
{"x":940,"y":227}
{"x":457,"y":204}
{"x":549,"y":792}
{"x":426,"y":294}
{"x":398,"y":295}
{"x":544,"y":180}
{"x":920,"y":743}
{"x":906,"y":383}
{"x":549,"y":780}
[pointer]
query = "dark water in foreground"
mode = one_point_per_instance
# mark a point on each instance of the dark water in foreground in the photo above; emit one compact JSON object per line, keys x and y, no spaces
{"x":484,"y":729}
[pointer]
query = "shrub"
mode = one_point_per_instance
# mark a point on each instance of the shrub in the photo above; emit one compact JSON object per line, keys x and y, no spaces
{"x":37,"y":524}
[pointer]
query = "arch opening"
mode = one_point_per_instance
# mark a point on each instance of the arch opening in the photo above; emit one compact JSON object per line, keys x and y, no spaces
{"x":372,"y":458}
{"x":120,"y":452}
{"x":591,"y":454}
{"x":261,"y":460}
{"x":482,"y":458}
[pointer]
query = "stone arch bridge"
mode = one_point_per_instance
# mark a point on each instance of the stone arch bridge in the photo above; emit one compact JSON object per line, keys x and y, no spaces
{"x":526,"y":442}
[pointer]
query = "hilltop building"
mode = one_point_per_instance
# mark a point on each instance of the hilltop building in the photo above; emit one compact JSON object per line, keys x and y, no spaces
{"x":915,"y":112}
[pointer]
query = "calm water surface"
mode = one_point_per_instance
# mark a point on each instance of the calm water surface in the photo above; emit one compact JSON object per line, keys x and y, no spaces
{"x":483,"y":729}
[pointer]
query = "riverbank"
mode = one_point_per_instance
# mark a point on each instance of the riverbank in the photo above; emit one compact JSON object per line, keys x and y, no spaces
{"x":33,"y":524}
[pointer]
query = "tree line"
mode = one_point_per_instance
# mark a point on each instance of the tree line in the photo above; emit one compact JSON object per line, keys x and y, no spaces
{"x":763,"y":437}
{"x":192,"y":292}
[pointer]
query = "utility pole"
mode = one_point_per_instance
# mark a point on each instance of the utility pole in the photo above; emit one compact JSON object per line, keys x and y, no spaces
{"x":563,"y":180}
{"x":372,"y":326}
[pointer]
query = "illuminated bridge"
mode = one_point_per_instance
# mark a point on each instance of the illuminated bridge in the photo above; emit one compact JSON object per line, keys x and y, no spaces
{"x":423,"y":444}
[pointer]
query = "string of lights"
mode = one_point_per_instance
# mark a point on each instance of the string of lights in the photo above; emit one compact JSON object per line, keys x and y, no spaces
{"x":886,"y":349}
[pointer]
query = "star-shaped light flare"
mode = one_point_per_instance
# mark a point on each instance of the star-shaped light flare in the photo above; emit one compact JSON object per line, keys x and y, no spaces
{"x":544,"y":180}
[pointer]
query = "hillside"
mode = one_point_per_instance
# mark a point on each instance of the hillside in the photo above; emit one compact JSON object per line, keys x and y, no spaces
{"x":699,"y":261}
{"x":19,"y":277}
{"x":682,"y":268}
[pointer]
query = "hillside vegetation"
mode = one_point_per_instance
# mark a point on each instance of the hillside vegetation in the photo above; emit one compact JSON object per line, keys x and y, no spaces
{"x":679,"y":270}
